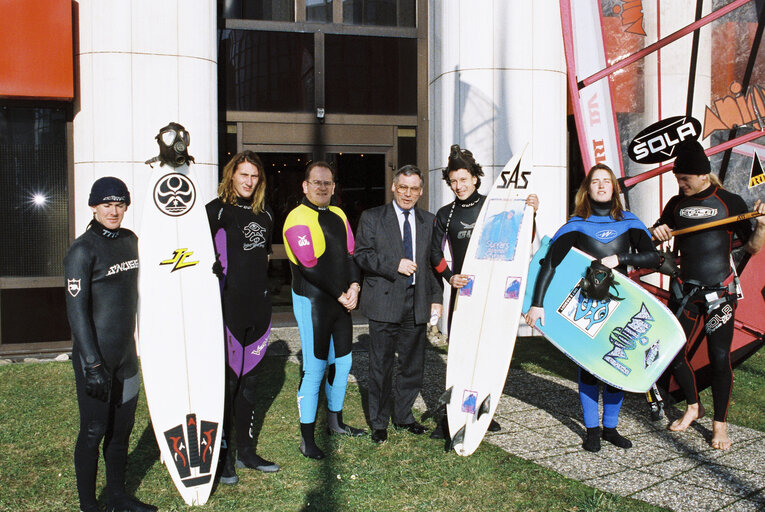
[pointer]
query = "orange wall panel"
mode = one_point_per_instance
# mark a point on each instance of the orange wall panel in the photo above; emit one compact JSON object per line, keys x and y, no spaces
{"x":36,"y":55}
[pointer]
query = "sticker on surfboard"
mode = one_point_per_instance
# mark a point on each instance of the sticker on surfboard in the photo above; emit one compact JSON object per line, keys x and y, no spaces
{"x":588,"y":315}
{"x":499,"y":235}
{"x":469,"y":401}
{"x":513,"y":287}
{"x":467,"y":290}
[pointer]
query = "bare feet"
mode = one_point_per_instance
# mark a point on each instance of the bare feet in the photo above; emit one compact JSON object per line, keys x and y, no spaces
{"x":720,"y":439}
{"x":692,"y":413}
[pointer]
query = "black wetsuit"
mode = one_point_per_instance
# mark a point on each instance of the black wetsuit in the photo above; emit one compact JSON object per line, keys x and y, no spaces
{"x":320,"y":245}
{"x":101,"y":270}
{"x":242,"y":243}
{"x":599,"y":236}
{"x":454,"y":225}
{"x":704,"y":291}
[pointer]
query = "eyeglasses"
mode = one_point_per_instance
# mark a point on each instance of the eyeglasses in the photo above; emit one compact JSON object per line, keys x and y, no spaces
{"x":403,"y":189}
{"x":319,"y":183}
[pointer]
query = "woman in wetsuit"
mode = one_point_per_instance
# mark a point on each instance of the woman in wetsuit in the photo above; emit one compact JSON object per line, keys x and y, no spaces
{"x":601,"y":228}
{"x":242,"y":224}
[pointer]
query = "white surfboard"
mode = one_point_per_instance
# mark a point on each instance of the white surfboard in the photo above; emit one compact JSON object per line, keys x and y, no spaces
{"x":488,"y":310}
{"x":180,"y":333}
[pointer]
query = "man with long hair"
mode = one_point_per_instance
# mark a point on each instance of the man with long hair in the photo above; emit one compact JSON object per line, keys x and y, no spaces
{"x":242,"y":224}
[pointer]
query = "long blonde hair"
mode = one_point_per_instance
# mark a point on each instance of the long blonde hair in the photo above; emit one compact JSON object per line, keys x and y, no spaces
{"x":226,"y":191}
{"x":583,"y":203}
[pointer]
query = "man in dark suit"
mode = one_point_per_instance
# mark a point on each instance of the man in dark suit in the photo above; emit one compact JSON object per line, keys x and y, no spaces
{"x":400,"y":293}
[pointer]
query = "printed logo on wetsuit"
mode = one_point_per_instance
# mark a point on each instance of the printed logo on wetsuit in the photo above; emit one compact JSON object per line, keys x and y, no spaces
{"x":187,"y":453}
{"x":121,"y":267}
{"x":698,"y":212}
{"x":174,"y":194}
{"x":303,"y":241}
{"x":256,"y":236}
{"x":466,"y":231}
{"x":73,"y":287}
{"x":605,"y":234}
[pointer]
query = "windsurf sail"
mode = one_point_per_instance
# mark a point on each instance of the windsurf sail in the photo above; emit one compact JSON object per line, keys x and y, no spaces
{"x":644,"y":75}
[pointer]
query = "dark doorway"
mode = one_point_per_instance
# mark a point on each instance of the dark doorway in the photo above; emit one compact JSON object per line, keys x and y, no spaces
{"x":360,"y":182}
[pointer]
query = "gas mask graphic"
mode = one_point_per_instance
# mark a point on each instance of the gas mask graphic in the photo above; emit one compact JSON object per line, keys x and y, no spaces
{"x":173,"y":142}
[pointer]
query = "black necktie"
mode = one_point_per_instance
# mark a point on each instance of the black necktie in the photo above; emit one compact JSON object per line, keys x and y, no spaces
{"x":408,"y":244}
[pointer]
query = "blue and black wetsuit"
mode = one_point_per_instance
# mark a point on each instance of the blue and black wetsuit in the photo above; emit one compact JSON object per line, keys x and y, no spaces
{"x":243,"y":242}
{"x":599,"y":235}
{"x":704,"y":295}
{"x":319,"y":245}
{"x":101,"y":271}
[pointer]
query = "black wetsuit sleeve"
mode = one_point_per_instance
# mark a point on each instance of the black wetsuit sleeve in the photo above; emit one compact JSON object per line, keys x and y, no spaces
{"x":646,"y":255}
{"x":269,"y":230}
{"x":555,"y":254}
{"x":437,"y":259}
{"x":366,"y":256}
{"x":78,"y":270}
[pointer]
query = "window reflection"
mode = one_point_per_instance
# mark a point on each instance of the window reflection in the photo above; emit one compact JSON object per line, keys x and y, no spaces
{"x":318,"y":10}
{"x":33,"y":191}
{"x":271,"y":10}
{"x":388,"y":13}
{"x":371,"y":75}
{"x":266,"y":71}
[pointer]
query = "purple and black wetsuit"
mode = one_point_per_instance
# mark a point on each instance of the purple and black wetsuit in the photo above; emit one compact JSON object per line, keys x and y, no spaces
{"x":242,"y":243}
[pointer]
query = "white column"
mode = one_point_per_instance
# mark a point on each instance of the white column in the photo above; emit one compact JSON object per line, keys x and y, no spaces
{"x":497,"y":81}
{"x":142,"y":64}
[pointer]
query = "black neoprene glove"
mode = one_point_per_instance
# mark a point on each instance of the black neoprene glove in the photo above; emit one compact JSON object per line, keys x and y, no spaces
{"x":97,"y":382}
{"x":217,"y":269}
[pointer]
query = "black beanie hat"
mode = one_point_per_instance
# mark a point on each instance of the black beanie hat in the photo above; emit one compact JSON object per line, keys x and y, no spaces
{"x":108,"y":189}
{"x":691,"y":158}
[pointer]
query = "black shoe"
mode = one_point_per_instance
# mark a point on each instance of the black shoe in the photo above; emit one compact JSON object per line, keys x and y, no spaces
{"x":379,"y":436}
{"x":252,"y":460}
{"x":91,"y":508}
{"x":441,"y":431}
{"x":414,"y":427}
{"x":592,"y":443}
{"x":311,"y":452}
{"x":307,"y":443}
{"x":615,"y":438}
{"x":228,"y":473}
{"x":125,"y":503}
{"x":494,"y":426}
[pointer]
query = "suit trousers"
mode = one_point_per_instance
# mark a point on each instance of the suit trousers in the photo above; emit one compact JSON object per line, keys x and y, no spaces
{"x":408,"y":340}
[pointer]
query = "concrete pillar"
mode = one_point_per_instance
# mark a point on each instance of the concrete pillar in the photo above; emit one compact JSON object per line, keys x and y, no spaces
{"x":142,"y":64}
{"x":497,"y":81}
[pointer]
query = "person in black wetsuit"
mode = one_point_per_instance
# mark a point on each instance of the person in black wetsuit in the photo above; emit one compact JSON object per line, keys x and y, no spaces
{"x":101,"y":271}
{"x":454,"y":225}
{"x":704,"y":294}
{"x":325,"y":289}
{"x":242,"y":225}
{"x":601,"y":228}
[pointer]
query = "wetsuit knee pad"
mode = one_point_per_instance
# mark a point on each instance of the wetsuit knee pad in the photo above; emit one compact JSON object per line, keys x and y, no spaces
{"x":96,"y":430}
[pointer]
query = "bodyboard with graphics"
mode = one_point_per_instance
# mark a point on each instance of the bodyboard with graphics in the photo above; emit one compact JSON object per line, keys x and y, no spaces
{"x":627,"y":343}
{"x":488,"y":310}
{"x":181,"y":331}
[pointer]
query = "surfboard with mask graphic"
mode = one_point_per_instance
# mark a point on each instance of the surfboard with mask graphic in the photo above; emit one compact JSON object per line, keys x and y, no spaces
{"x":180,"y":337}
{"x":627,"y":343}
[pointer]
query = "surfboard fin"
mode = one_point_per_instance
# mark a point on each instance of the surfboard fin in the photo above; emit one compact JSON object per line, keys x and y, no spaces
{"x":458,"y":438}
{"x":446,"y":397}
{"x":484,"y":408}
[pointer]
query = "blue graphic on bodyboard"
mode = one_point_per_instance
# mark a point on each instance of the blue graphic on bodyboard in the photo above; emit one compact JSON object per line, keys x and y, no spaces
{"x":499,"y":236}
{"x":512,"y":287}
{"x":467,"y":290}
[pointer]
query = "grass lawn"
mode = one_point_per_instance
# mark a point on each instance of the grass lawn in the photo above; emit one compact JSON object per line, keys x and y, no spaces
{"x":38,"y":426}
